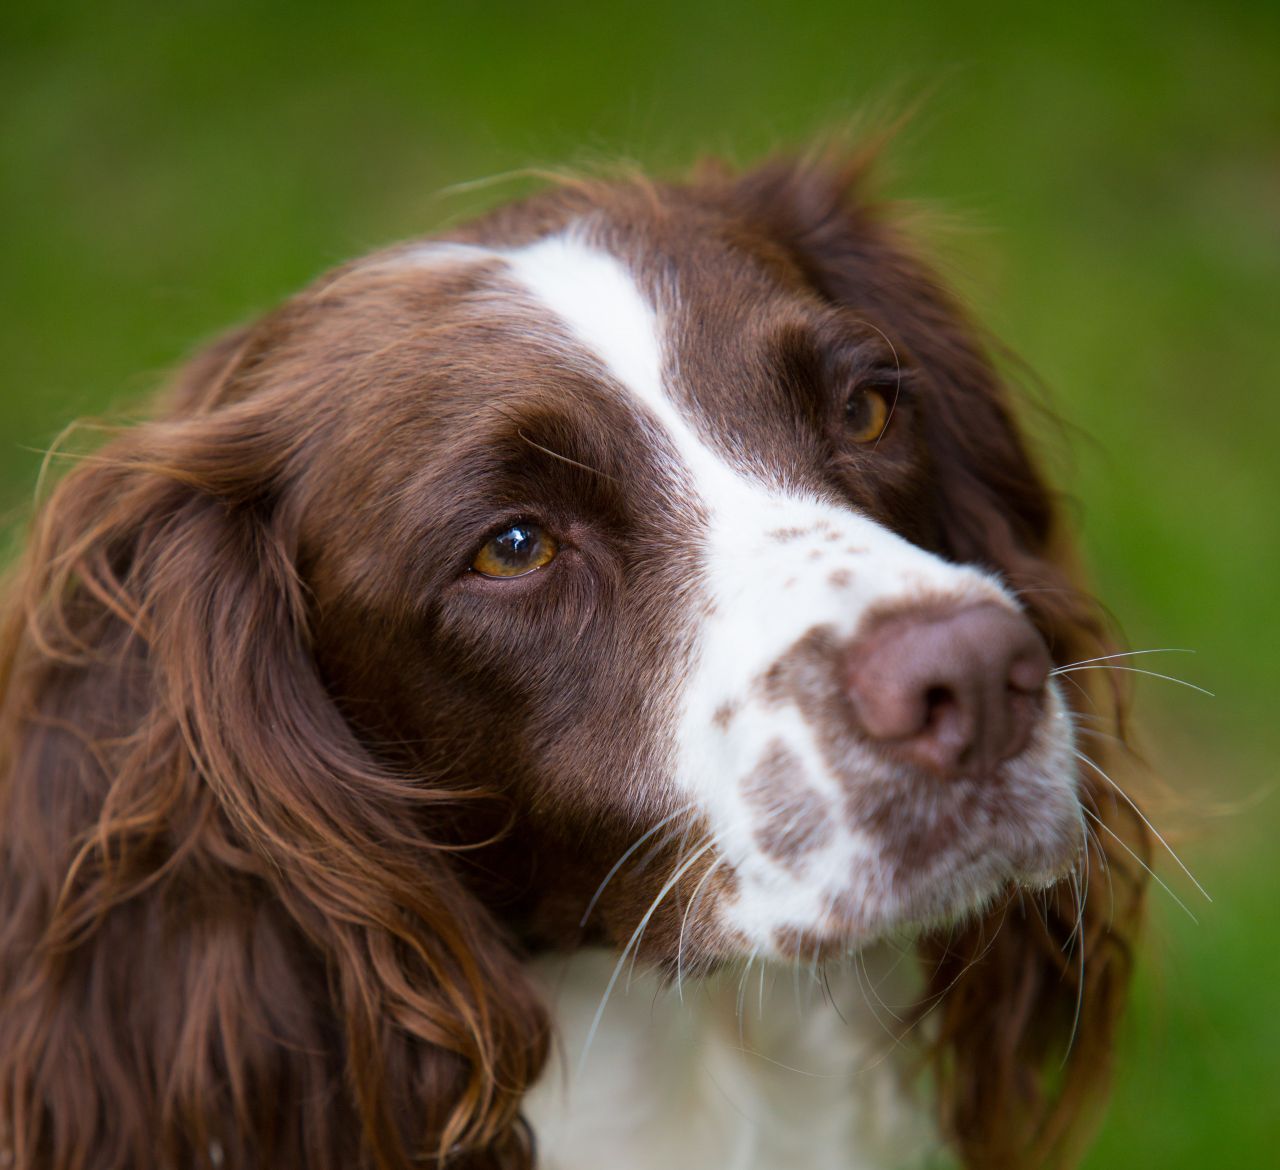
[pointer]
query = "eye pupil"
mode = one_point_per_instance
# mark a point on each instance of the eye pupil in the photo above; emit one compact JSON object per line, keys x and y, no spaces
{"x":514,"y":544}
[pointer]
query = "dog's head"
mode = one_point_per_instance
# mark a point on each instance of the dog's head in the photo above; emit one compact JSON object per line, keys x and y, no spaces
{"x":651,"y":564}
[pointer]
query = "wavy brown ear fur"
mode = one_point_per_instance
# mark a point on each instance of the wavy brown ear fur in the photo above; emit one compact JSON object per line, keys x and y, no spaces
{"x":226,"y":935}
{"x":1024,"y":1000}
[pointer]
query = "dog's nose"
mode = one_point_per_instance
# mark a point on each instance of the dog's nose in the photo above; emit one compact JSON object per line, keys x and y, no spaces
{"x":955,"y":692}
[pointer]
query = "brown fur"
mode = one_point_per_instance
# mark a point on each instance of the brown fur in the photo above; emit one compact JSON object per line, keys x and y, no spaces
{"x":248,"y":819}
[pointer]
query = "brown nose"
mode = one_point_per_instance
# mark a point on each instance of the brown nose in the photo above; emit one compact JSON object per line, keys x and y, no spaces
{"x":953,"y":692}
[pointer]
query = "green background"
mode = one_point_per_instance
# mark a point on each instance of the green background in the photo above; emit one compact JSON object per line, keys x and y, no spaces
{"x":168,"y":169}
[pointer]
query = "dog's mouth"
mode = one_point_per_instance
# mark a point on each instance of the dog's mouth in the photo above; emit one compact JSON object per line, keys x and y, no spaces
{"x":885,"y":848}
{"x":874,"y":908}
{"x":963,"y":883}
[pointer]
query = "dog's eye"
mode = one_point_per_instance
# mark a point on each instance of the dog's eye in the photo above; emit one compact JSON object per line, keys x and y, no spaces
{"x":867,"y":414}
{"x":517,"y":550}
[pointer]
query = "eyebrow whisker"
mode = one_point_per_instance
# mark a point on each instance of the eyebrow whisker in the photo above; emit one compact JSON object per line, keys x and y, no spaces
{"x":565,"y":458}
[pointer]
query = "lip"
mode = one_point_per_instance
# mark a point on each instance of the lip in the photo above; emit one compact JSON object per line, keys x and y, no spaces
{"x":973,"y":887}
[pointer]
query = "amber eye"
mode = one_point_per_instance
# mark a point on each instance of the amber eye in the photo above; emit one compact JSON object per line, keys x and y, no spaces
{"x":517,"y":550}
{"x":867,"y":414}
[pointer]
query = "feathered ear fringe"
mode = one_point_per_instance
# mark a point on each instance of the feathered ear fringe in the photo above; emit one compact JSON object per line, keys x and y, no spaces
{"x":1023,"y":1004}
{"x":225,"y":937}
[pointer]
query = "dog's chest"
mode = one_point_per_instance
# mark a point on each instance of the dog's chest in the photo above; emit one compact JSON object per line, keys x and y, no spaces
{"x":762,"y":1071}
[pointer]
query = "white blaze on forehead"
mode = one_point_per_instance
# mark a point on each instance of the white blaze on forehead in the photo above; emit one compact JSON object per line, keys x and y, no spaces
{"x":592,"y":293}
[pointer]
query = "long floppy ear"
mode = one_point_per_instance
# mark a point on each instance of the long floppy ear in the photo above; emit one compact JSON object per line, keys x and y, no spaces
{"x":1025,"y":1000}
{"x":226,"y":935}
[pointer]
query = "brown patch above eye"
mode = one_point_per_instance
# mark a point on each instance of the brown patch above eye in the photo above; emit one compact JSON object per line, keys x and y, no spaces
{"x":792,"y":818}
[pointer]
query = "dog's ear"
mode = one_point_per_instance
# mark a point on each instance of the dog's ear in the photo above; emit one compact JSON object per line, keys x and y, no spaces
{"x":1039,"y":980}
{"x":227,"y":936}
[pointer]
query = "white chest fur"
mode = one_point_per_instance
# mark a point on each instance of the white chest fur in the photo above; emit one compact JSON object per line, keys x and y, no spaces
{"x":766,"y":1072}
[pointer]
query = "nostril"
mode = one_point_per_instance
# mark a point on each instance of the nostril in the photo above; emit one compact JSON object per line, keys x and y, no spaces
{"x":936,"y":697}
{"x":940,"y":702}
{"x":946,"y":735}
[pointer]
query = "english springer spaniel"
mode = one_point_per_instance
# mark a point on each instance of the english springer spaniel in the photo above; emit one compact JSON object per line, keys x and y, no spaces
{"x":580,"y":691}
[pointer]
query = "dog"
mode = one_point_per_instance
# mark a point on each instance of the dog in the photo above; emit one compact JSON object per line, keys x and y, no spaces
{"x":536,"y":696}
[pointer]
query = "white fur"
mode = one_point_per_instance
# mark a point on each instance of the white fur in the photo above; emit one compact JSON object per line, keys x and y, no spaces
{"x":753,"y":1070}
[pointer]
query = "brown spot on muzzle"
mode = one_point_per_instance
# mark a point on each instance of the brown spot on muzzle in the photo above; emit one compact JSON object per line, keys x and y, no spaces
{"x":782,"y":535}
{"x":808,"y":676}
{"x":793,"y":818}
{"x":724,"y":714}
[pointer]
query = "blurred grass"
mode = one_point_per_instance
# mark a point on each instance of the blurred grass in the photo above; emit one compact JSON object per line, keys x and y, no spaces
{"x":166,"y":170}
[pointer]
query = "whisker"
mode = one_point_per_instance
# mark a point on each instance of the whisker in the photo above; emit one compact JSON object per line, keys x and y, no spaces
{"x":1079,"y":922}
{"x":1079,"y":1005}
{"x":933,"y":1001}
{"x":684,"y":922}
{"x":861,"y":960}
{"x":1182,"y":682}
{"x":565,"y":458}
{"x":756,"y":1054}
{"x":1125,"y":654}
{"x":937,"y":997}
{"x":897,"y":381}
{"x":1093,"y":839}
{"x":863,"y":976}
{"x":795,"y":987}
{"x":681,"y":852}
{"x":499,"y":409}
{"x":1084,"y":759}
{"x":1155,"y":877}
{"x":1065,"y":676}
{"x":742,"y":990}
{"x":1097,"y":733}
{"x":680,"y":871}
{"x":830,"y":995}
{"x":617,"y":865}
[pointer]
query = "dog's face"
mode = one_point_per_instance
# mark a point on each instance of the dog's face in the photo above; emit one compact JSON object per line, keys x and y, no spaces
{"x":616,"y":511}
{"x":654,"y":565}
